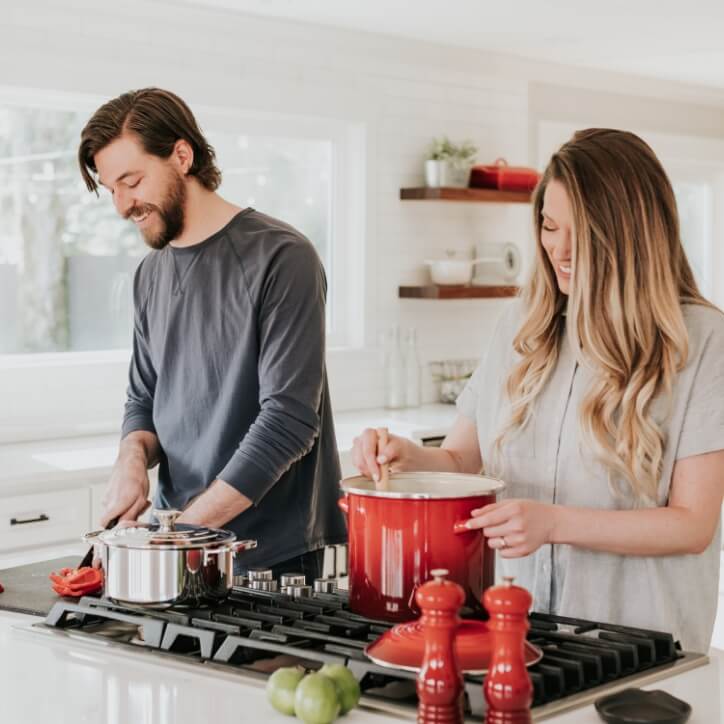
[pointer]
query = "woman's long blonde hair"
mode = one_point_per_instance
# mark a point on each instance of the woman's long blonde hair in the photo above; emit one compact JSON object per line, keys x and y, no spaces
{"x":630,"y":276}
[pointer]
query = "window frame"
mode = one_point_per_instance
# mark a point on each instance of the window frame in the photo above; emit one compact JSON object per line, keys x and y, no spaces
{"x":346,"y":288}
{"x":346,"y":283}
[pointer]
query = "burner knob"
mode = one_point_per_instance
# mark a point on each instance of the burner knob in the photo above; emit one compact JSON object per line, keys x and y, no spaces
{"x":260,"y":574}
{"x":325,"y":585}
{"x":269,"y":586}
{"x":292,"y":579}
{"x":297,"y":591}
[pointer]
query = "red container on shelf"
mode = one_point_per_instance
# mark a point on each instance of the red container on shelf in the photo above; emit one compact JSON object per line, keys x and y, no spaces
{"x":499,"y":175}
{"x":398,"y":536}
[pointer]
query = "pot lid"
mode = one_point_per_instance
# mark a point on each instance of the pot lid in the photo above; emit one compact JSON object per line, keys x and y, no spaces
{"x":425,"y":485}
{"x":403,"y":647}
{"x":165,"y":534}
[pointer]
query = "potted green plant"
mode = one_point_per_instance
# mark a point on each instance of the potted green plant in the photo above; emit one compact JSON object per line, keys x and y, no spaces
{"x":449,"y":164}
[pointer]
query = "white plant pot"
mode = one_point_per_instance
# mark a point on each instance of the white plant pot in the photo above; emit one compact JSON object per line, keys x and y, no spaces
{"x":446,"y":173}
{"x":458,"y":175}
{"x":436,"y":173}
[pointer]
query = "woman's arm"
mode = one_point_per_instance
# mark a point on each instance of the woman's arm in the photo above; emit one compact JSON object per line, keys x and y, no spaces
{"x":460,"y":452}
{"x":685,"y":526}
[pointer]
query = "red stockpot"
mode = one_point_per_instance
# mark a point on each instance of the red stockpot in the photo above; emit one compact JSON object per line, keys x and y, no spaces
{"x":398,"y":536}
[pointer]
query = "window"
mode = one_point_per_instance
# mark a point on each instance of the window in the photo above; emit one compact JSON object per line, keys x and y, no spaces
{"x":67,"y":260}
{"x":695,"y":207}
{"x":288,"y":178}
{"x":308,"y":172}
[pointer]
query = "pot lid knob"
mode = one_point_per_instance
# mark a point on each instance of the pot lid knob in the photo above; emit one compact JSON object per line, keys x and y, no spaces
{"x":166,"y":519}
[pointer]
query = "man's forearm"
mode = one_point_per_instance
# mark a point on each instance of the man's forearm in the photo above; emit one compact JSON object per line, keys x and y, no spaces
{"x":141,"y":444}
{"x":216,"y":506}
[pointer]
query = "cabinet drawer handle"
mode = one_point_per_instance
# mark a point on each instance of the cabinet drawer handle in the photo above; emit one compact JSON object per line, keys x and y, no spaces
{"x":39,"y":519}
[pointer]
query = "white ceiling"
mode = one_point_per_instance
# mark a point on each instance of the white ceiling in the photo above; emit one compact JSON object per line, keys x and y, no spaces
{"x":672,"y":39}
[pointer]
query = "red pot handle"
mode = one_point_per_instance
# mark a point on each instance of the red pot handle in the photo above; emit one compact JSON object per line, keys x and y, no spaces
{"x":343,"y":504}
{"x":461,"y":527}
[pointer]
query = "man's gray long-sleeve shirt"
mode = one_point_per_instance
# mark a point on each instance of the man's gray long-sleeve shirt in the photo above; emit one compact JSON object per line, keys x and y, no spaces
{"x":228,"y":370}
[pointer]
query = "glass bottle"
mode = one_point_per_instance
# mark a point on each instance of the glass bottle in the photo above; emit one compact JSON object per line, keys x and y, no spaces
{"x":412,"y":370}
{"x":394,"y":371}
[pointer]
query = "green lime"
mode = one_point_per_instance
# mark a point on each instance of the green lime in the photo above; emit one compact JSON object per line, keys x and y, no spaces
{"x":281,"y":687}
{"x":347,"y":686}
{"x":315,"y":701}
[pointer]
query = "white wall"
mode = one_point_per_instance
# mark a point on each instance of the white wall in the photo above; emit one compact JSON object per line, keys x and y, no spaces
{"x":403,"y":92}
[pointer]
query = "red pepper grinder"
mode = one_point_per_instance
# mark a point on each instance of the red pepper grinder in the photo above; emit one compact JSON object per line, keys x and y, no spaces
{"x":507,"y":687}
{"x":439,"y":682}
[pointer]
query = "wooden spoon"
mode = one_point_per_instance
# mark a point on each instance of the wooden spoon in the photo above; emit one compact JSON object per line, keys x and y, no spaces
{"x":383,"y":437}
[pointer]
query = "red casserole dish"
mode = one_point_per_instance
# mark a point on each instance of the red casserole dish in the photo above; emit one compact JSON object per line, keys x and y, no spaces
{"x":500,"y":175}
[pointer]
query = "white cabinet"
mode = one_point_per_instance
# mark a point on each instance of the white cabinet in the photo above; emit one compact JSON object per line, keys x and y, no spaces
{"x":51,"y":494}
{"x":41,"y":518}
{"x":50,"y":521}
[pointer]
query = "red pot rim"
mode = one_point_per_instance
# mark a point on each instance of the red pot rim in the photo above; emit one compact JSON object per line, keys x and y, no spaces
{"x":425,"y":486}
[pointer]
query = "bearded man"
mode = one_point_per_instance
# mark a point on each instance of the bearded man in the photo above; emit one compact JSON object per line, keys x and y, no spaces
{"x":227,"y":384}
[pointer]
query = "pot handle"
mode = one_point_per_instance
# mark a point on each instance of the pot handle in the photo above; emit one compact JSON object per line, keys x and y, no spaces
{"x":343,"y":504}
{"x":243,"y":545}
{"x":91,"y":537}
{"x":461,"y":527}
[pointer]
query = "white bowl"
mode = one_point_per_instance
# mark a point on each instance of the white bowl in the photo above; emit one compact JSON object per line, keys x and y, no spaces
{"x":451,"y":272}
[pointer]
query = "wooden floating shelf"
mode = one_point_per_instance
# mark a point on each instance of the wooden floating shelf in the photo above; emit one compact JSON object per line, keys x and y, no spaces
{"x":445,"y":193}
{"x":432,"y":291}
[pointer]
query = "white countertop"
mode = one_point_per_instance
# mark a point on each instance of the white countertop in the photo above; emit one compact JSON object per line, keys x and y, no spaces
{"x":48,"y":678}
{"x":82,"y":459}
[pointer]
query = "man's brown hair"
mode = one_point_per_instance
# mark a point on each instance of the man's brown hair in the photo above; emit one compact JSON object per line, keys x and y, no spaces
{"x":158,"y":118}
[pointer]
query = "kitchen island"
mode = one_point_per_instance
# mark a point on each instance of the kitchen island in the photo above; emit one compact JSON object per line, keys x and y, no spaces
{"x":50,"y":678}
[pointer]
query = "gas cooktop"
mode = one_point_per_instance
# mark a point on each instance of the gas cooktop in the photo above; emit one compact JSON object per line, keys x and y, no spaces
{"x":256,"y":631}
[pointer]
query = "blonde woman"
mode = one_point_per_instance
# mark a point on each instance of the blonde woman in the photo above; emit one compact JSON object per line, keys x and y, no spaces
{"x":601,"y":404}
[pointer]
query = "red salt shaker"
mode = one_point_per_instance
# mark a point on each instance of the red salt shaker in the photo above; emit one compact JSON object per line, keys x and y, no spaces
{"x":439,"y":681}
{"x":507,"y":687}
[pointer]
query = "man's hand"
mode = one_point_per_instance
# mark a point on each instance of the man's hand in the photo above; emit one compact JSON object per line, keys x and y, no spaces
{"x":126,"y":497}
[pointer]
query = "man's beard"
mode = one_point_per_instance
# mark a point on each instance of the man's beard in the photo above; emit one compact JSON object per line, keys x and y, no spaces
{"x":171,"y":213}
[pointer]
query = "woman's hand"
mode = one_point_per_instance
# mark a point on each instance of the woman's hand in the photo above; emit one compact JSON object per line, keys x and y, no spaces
{"x":367,"y":456}
{"x":515,"y":527}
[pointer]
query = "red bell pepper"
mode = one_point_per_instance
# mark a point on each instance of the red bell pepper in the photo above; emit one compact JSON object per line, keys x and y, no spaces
{"x":77,"y":582}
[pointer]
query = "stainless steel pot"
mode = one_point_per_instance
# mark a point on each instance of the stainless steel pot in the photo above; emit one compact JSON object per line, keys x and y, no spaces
{"x":167,"y":565}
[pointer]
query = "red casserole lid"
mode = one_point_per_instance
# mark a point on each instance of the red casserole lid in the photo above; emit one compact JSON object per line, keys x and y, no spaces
{"x":499,"y":175}
{"x":403,"y":646}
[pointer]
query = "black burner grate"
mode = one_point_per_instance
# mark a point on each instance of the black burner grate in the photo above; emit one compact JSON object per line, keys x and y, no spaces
{"x":252,"y":629}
